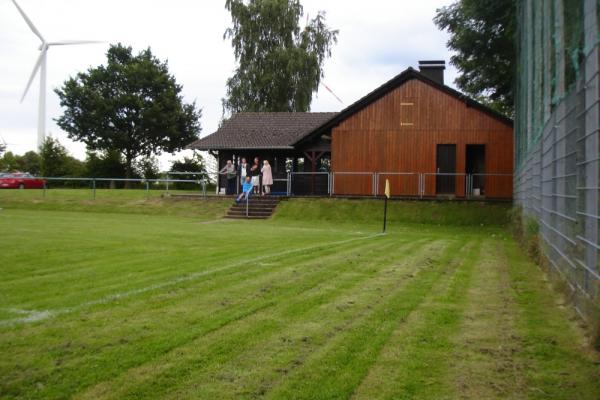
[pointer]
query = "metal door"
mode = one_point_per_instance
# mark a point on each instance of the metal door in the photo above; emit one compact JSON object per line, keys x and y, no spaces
{"x":446,"y":164}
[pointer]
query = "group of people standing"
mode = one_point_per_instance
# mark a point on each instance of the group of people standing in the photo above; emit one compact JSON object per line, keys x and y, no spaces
{"x":249,"y":177}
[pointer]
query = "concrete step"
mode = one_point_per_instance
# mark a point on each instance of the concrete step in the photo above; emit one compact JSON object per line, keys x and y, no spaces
{"x":250,"y":210}
{"x":244,"y":217}
{"x":253,"y":207}
{"x":273,"y":202}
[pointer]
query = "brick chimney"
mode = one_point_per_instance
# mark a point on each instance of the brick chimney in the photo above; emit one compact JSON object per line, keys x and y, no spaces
{"x":434,"y":70}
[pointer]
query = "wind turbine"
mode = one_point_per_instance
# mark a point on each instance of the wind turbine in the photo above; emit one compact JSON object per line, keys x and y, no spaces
{"x":40,"y":65}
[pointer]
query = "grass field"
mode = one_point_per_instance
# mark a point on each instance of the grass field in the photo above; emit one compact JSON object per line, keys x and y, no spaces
{"x":153,"y":298}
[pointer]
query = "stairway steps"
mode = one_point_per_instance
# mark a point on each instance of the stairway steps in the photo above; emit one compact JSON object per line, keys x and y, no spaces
{"x":258,"y":208}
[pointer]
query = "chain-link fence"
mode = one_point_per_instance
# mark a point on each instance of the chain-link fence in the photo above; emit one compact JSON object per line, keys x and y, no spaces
{"x":557,"y":139}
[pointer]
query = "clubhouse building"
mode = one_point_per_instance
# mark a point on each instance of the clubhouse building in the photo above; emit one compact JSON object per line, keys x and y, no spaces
{"x":425,"y":138}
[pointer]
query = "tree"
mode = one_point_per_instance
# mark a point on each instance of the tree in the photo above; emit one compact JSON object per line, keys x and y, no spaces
{"x":56,"y":161}
{"x":189,"y":164}
{"x":9,"y":162}
{"x":30,"y":162}
{"x":131,"y":105}
{"x":148,"y":168}
{"x":482,"y":32}
{"x":195,"y":163}
{"x":107,"y":164}
{"x":279,"y":65}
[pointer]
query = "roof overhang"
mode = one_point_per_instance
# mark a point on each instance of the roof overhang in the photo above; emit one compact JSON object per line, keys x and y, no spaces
{"x":217,"y":148}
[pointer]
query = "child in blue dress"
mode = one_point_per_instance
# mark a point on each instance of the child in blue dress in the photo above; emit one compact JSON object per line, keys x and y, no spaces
{"x":246,"y":190}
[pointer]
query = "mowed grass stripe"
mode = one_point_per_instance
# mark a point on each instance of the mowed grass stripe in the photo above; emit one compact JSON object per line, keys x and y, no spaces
{"x":484,"y":362}
{"x":116,"y":261}
{"x":337,"y":367}
{"x":143,"y":319}
{"x":111,"y":281}
{"x":414,"y":362}
{"x":71,"y":239}
{"x":105,"y":319}
{"x":301,"y":326}
{"x":557,"y":365}
{"x":212,"y":354}
{"x":113,"y":295}
{"x":300,"y":286}
{"x":258,"y":368}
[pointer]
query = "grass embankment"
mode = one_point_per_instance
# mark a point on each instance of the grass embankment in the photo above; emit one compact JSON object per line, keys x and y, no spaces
{"x":370,"y":211}
{"x":162,"y":306}
{"x":124,"y":201}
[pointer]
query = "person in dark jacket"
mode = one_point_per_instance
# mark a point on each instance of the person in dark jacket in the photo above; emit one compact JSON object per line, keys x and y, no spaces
{"x":255,"y":172}
{"x":229,"y":171}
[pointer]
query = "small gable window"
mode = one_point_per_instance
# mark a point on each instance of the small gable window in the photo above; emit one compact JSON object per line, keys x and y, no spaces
{"x":407,"y":113}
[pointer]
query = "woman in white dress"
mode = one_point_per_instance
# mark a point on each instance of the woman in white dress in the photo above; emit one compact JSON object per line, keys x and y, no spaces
{"x":267,"y":177}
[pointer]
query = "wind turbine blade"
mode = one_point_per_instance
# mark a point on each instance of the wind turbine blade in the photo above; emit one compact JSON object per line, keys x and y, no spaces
{"x":35,"y":69}
{"x":68,"y":42}
{"x":28,"y":21}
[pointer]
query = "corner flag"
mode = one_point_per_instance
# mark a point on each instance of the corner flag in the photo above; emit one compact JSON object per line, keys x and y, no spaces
{"x":387,"y":196}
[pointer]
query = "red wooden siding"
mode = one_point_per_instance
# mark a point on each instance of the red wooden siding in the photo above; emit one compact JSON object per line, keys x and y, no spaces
{"x":389,"y":135}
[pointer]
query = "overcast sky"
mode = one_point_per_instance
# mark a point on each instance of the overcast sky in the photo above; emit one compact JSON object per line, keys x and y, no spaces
{"x":378,"y":39}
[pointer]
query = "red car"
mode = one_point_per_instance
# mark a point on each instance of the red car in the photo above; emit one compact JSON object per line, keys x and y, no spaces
{"x":20,"y":180}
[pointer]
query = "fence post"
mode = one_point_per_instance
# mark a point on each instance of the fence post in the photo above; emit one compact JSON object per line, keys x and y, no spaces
{"x":332,"y":183}
{"x":94,"y":188}
{"x":147,"y":189}
{"x":469,"y":186}
{"x":44,"y":189}
{"x":373,"y":184}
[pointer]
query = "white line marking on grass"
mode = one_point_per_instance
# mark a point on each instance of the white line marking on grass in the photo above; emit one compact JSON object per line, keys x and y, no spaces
{"x":214,"y":221}
{"x":30,"y":315}
{"x":34,"y":315}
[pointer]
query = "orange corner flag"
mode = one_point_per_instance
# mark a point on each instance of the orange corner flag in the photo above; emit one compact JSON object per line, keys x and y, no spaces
{"x":387,"y":188}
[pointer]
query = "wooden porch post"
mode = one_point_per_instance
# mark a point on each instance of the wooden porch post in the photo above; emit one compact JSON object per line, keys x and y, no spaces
{"x":313,"y":157}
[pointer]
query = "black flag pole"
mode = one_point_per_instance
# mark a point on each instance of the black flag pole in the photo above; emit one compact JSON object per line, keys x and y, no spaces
{"x":387,"y":196}
{"x":384,"y":213}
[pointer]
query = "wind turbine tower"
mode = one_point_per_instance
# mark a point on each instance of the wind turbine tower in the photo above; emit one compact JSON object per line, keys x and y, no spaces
{"x":40,"y":65}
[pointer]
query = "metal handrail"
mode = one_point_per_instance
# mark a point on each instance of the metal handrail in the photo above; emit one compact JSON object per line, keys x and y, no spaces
{"x":378,"y":174}
{"x":292,"y":173}
{"x":470,"y":180}
{"x":309,"y":173}
{"x":455,"y":174}
{"x":201,"y":182}
{"x":373,"y":178}
{"x":141,"y":180}
{"x":375,"y":183}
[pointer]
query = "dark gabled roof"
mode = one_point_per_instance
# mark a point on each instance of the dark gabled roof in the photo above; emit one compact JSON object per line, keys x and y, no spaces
{"x":389,"y":86}
{"x":262,"y":130}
